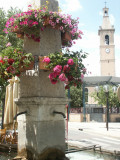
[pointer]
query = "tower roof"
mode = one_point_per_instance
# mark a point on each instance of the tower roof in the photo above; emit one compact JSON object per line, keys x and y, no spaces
{"x":106,"y":21}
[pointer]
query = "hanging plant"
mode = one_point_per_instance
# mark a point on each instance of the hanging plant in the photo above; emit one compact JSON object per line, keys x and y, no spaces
{"x":33,"y":21}
{"x":13,"y":61}
{"x":67,"y":67}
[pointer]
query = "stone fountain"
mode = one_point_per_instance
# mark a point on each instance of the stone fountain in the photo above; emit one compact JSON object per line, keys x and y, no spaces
{"x":42,"y":127}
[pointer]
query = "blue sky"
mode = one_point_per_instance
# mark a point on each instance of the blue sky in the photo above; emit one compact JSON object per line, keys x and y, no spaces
{"x":90,"y":14}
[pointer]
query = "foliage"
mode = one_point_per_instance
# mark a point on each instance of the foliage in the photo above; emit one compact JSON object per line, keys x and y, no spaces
{"x":76,"y":97}
{"x":10,"y":37}
{"x":31,"y":22}
{"x":2,"y":21}
{"x":100,"y":97}
{"x":67,"y":67}
{"x":10,"y":61}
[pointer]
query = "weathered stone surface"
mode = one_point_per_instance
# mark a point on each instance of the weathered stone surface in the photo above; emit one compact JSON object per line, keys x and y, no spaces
{"x":52,"y":4}
{"x":41,"y":109}
{"x":40,"y":128}
{"x":50,"y":41}
{"x":32,"y":86}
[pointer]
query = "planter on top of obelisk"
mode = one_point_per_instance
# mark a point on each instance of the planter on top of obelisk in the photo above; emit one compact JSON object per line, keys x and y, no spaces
{"x":42,"y":127}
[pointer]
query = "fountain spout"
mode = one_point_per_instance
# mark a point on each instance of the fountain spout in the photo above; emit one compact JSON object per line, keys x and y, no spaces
{"x":25,"y":112}
{"x":56,"y":112}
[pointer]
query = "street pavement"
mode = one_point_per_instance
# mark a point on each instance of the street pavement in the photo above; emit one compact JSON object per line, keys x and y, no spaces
{"x":83,"y":134}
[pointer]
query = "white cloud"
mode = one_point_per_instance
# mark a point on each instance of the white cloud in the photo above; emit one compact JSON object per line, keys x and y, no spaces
{"x":90,"y":44}
{"x":71,"y":6}
{"x":90,"y":40}
{"x":5,"y":4}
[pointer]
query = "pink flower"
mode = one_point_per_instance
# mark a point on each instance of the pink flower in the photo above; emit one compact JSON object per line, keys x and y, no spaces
{"x":53,"y":24}
{"x":82,"y":76}
{"x":66,"y":68}
{"x":84,"y":70}
{"x":70,"y":62}
{"x":57,"y":69}
{"x":57,"y":20}
{"x":5,"y":30}
{"x":5,"y":57}
{"x":35,"y":23}
{"x":47,"y":60}
{"x":8,"y":44}
{"x":30,"y":5}
{"x":50,"y":21}
{"x":61,"y":28}
{"x":62,"y":77}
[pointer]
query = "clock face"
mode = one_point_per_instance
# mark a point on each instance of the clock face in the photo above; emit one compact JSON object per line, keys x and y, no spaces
{"x":107,"y":50}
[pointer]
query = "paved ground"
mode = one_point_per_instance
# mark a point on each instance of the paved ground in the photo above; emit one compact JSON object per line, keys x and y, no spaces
{"x":88,"y":134}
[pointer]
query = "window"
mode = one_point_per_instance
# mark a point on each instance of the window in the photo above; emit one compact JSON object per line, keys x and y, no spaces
{"x":106,"y":39}
{"x":106,"y":13}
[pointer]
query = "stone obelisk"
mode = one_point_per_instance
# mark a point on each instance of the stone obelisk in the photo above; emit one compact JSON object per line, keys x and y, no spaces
{"x":39,"y":128}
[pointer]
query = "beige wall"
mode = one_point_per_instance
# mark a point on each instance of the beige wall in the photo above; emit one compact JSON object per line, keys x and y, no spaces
{"x":78,"y":117}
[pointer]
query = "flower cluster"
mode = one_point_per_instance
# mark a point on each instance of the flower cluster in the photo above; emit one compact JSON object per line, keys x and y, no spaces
{"x":67,"y":67}
{"x":33,"y":21}
{"x":10,"y":62}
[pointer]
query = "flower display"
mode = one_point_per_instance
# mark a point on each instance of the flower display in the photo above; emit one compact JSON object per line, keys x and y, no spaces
{"x":66,"y":67}
{"x":10,"y":62}
{"x":33,"y":21}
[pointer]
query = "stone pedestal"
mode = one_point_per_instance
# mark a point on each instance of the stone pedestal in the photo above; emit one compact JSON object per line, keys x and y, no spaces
{"x":40,"y":128}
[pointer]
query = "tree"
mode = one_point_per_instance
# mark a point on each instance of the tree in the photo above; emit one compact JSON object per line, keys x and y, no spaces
{"x":76,"y":97}
{"x":100,"y":97}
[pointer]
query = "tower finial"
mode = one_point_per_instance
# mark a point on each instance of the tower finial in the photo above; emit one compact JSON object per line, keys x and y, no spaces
{"x":105,"y":4}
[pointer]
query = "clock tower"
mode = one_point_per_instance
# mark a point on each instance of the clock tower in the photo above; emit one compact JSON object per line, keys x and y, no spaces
{"x":107,"y":47}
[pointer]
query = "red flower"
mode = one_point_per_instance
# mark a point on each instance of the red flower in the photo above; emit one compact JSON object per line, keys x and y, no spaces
{"x":1,"y":61}
{"x":67,"y":87}
{"x":70,"y":78}
{"x":18,"y":75}
{"x":10,"y":61}
{"x":11,"y":69}
{"x":53,"y":81}
{"x":52,"y":75}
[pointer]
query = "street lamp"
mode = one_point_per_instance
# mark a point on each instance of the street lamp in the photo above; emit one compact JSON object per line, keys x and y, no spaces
{"x":106,"y":90}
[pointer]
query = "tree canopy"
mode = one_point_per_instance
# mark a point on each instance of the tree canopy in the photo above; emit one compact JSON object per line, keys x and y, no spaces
{"x":10,"y":37}
{"x":100,"y":97}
